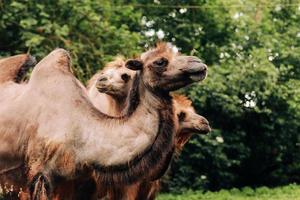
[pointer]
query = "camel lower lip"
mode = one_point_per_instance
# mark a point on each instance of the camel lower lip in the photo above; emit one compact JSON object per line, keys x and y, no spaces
{"x":100,"y":89}
{"x":204,"y":129}
{"x":197,"y":77}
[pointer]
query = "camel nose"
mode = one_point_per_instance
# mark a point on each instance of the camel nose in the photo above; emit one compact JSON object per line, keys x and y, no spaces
{"x":202,"y":68}
{"x":203,"y":126}
{"x":204,"y":121}
{"x":196,"y":65}
{"x":102,"y":83}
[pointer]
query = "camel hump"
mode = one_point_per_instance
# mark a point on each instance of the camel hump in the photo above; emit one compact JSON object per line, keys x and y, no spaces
{"x":59,"y":59}
{"x":14,"y":68}
{"x":56,"y":66}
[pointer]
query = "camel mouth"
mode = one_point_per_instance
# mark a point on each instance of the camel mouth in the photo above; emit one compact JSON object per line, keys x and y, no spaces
{"x":102,"y":89}
{"x":198,"y":76}
{"x":101,"y":86}
{"x":203,"y":129}
{"x":198,"y":71}
{"x":108,"y":89}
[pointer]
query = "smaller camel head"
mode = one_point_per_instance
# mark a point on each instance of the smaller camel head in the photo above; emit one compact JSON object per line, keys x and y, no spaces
{"x":189,"y":121}
{"x":115,"y":79}
{"x":163,"y":68}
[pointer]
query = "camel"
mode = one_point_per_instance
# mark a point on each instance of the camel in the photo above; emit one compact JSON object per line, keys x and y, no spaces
{"x":51,"y":126}
{"x":108,"y":87}
{"x":14,"y":68}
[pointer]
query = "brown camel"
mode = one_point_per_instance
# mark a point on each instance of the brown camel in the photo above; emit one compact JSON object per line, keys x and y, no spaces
{"x":14,"y":68}
{"x":51,"y":126}
{"x":108,"y":87}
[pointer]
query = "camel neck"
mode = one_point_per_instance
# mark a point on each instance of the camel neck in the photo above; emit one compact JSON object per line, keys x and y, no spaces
{"x":107,"y":104}
{"x":115,"y":105}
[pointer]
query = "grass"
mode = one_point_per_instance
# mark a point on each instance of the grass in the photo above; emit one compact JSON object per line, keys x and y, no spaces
{"x":290,"y":192}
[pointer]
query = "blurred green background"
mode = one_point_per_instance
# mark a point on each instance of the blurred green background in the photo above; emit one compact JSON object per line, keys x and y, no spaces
{"x":251,"y":96}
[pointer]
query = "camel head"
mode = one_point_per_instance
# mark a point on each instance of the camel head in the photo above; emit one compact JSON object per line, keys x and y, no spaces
{"x":115,"y":79}
{"x":164,"y":69}
{"x":189,"y":121}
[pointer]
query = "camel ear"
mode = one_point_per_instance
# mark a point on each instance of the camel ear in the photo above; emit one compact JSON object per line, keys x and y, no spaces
{"x":134,"y":64}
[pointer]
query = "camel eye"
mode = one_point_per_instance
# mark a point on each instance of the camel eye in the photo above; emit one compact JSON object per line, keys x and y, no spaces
{"x":162,"y":62}
{"x":125,"y":77}
{"x":181,"y":116}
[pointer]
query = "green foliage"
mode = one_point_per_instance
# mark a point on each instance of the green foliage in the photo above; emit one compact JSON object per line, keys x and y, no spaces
{"x":198,"y":31}
{"x":282,"y":193}
{"x":94,"y":32}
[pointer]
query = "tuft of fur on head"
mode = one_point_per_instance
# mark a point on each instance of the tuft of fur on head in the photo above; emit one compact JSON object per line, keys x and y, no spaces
{"x":166,"y":46}
{"x":118,"y":62}
{"x":182,"y":100}
{"x":161,"y":48}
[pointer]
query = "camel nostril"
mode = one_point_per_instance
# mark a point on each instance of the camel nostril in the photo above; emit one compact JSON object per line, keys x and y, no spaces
{"x":102,"y":79}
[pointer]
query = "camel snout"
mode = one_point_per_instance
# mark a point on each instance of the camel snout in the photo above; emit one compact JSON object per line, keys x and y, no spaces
{"x":102,"y":84}
{"x":195,"y":69}
{"x":202,"y":125}
{"x":195,"y":66}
